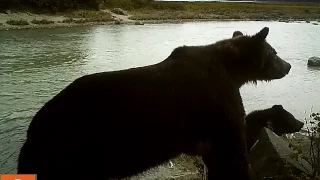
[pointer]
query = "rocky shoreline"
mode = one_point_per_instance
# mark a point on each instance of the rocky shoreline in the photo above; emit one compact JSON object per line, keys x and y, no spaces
{"x":185,"y":167}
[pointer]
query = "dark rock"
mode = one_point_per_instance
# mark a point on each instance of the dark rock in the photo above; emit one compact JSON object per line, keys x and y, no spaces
{"x":315,"y":23}
{"x":271,"y":156}
{"x":139,"y":23}
{"x":307,"y":21}
{"x":314,"y":61}
{"x":118,"y":21}
{"x":119,"y":11}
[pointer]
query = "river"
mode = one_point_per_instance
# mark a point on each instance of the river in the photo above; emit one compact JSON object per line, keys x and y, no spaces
{"x":36,"y":64}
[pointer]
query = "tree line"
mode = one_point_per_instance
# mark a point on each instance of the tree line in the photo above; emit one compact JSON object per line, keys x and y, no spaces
{"x":54,"y":5}
{"x":62,"y":5}
{"x":314,"y":1}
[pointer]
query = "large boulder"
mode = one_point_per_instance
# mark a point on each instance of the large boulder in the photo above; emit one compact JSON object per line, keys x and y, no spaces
{"x":271,"y":156}
{"x":119,"y":11}
{"x":314,"y":61}
{"x":183,"y":167}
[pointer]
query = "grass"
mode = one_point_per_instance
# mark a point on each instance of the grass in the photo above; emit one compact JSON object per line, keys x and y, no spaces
{"x":220,"y":10}
{"x":85,"y":16}
{"x":18,"y":22}
{"x":101,"y":19}
{"x":78,"y":21}
{"x":42,"y":21}
{"x":90,"y":16}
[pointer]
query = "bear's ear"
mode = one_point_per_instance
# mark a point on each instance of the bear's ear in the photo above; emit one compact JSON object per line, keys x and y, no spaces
{"x":237,"y":33}
{"x":262,"y":35}
{"x":277,"y":107}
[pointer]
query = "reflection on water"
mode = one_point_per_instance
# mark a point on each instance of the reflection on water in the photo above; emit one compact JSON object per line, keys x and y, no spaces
{"x":36,"y":64}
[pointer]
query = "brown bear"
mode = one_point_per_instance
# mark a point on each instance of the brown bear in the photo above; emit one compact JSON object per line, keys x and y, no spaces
{"x":276,"y":118}
{"x":117,"y":124}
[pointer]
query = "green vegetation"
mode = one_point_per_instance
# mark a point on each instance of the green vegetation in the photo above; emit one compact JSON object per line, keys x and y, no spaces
{"x":78,"y":21}
{"x":42,"y":21}
{"x":308,"y":149}
{"x":84,"y":16}
{"x":314,"y":133}
{"x":149,"y":10}
{"x":93,"y":16}
{"x":69,"y":20}
{"x":18,"y":22}
{"x":139,"y":4}
{"x":51,"y":5}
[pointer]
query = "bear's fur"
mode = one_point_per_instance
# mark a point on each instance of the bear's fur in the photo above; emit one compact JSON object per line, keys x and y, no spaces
{"x":117,"y":124}
{"x":276,"y":118}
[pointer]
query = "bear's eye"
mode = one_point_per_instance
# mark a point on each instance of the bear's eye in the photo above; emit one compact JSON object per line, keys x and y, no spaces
{"x":275,"y":52}
{"x":272,"y":50}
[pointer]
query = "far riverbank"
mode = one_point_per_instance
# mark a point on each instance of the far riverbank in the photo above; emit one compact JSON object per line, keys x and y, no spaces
{"x":165,"y":12}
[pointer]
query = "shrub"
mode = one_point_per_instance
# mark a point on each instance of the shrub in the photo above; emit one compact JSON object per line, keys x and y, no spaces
{"x":7,"y":4}
{"x":135,"y":4}
{"x":314,"y":134}
{"x":102,"y":19}
{"x":17,"y":22}
{"x":89,"y":16}
{"x":80,"y":21}
{"x":62,"y":5}
{"x":168,"y":5}
{"x":69,"y":20}
{"x":42,"y":21}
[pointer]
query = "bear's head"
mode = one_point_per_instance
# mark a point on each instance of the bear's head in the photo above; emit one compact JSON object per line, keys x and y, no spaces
{"x":283,"y":122}
{"x":252,"y":58}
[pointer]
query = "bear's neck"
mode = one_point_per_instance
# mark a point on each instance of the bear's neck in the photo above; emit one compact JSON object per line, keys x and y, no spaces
{"x":226,"y":58}
{"x":255,"y":121}
{"x":217,"y":58}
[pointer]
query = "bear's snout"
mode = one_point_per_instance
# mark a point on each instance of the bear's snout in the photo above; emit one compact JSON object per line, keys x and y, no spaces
{"x":287,"y":67}
{"x":278,"y":69}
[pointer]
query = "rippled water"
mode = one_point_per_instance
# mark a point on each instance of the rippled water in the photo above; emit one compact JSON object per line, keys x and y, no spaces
{"x":36,"y":64}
